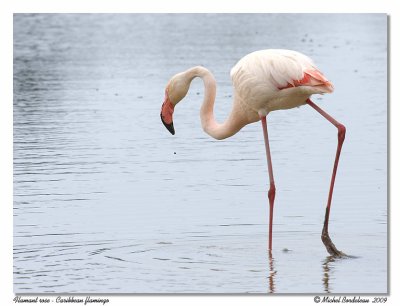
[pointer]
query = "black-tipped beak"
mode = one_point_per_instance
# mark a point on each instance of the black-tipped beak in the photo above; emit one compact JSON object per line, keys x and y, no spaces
{"x":169,"y":126}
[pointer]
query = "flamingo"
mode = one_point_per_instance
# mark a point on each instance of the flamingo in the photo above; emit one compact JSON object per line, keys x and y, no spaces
{"x":263,"y":81}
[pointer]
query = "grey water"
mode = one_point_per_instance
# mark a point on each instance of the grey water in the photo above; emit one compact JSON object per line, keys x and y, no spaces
{"x":107,"y":201}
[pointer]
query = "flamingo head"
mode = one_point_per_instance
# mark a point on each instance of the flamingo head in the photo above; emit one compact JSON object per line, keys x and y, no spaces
{"x":175,"y":91}
{"x":167,"y":112}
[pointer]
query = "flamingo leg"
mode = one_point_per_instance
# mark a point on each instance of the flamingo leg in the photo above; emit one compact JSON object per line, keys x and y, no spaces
{"x":330,"y":247}
{"x":271,"y":192}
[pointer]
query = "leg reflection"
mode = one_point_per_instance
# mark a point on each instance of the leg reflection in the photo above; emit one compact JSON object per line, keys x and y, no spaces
{"x":327,"y":268}
{"x":272,"y":273}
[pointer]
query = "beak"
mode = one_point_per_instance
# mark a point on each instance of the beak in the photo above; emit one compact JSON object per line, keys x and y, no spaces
{"x":169,"y":126}
{"x":167,"y":111}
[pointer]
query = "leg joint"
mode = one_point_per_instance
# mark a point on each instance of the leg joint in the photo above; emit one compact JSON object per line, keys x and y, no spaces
{"x":271,"y":192}
{"x":341,"y":132}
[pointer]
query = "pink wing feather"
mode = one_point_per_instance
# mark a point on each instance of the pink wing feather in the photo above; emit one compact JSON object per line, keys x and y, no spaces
{"x":312,"y":77}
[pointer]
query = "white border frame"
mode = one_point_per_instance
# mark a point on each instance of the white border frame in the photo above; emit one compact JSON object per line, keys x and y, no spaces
{"x":8,"y":7}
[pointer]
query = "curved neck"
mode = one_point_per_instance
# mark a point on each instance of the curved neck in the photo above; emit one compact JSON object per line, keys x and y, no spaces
{"x":208,"y":122}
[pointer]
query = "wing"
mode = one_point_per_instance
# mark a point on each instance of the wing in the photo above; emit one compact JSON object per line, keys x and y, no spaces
{"x":313,"y":77}
{"x":260,"y":74}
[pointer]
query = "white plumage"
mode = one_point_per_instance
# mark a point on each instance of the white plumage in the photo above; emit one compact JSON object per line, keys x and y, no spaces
{"x":261,"y":80}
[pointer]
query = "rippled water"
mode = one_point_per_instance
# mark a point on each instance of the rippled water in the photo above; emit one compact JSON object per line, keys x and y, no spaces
{"x":105,"y":200}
